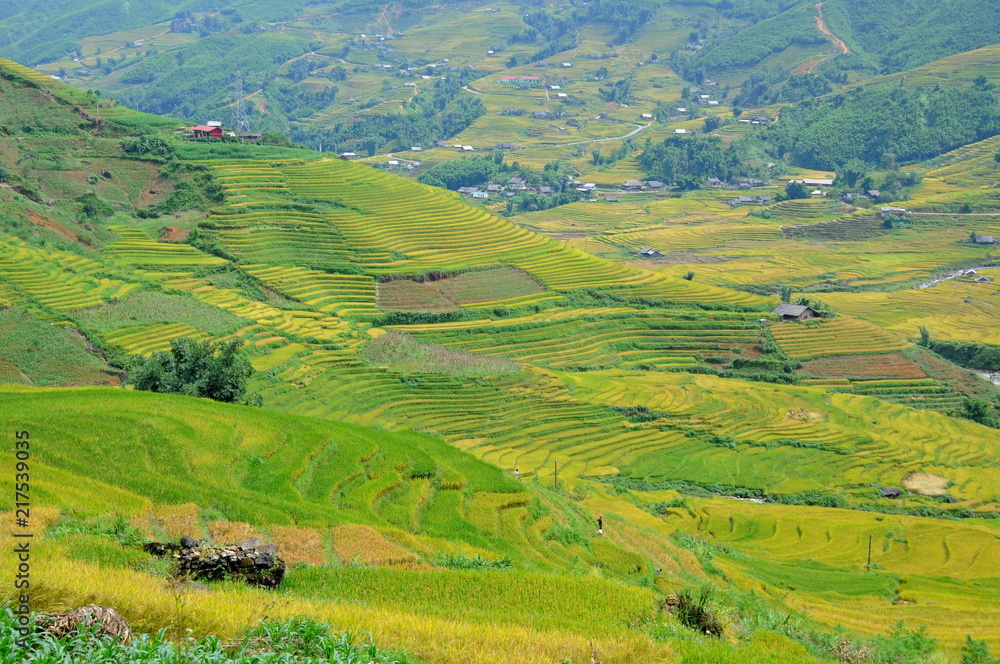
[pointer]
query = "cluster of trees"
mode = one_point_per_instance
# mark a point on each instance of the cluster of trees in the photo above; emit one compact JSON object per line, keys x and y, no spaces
{"x":776,"y":85}
{"x":210,"y":369}
{"x":623,"y":151}
{"x":619,"y":92}
{"x":467,"y":172}
{"x":685,"y":161}
{"x":432,"y":115}
{"x":870,"y":122}
{"x":627,"y":16}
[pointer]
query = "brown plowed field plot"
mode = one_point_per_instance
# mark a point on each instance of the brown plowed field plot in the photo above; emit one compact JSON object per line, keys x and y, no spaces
{"x":890,"y":365}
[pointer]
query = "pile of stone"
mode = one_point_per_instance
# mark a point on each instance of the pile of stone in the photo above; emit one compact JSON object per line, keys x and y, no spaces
{"x":249,"y":560}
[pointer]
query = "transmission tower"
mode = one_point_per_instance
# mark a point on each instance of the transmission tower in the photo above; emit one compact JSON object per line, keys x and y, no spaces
{"x":240,"y":120}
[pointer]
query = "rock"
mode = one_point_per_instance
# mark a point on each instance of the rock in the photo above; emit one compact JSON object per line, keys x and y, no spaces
{"x":188,"y":542}
{"x":242,"y":560}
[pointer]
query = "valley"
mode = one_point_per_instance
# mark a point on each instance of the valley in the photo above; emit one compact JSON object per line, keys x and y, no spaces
{"x":529,"y":425}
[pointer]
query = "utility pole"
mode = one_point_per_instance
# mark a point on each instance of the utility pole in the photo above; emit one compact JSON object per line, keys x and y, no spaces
{"x":868,"y":567}
{"x":240,"y":120}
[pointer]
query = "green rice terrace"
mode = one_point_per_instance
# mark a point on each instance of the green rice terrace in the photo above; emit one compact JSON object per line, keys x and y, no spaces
{"x":484,"y":437}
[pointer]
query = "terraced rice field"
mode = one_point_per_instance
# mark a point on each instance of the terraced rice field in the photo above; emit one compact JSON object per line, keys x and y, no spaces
{"x":506,"y":286}
{"x":344,"y":295}
{"x":135,"y":247}
{"x":148,"y":339}
{"x":57,"y":280}
{"x":436,"y":231}
{"x":940,"y":573}
{"x":283,"y":238}
{"x":834,"y":336}
{"x":627,"y":339}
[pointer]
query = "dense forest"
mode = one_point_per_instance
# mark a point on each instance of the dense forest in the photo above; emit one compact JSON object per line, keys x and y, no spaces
{"x":752,"y":44}
{"x":869,"y":122}
{"x":894,"y":35}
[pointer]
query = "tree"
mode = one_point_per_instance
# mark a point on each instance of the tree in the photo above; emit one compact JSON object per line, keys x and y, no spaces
{"x":786,"y":294}
{"x":796,"y":190}
{"x":988,"y":360}
{"x":977,"y":411}
{"x":712,"y":123}
{"x":689,"y":276}
{"x":851,"y":172}
{"x":210,"y":369}
{"x":925,"y":337}
{"x":976,"y":652}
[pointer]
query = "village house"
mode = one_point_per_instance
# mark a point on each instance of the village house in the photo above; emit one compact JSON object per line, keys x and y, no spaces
{"x":494,"y":188}
{"x":649,"y":252}
{"x":984,"y":239}
{"x":713,"y":183}
{"x":890,"y":492}
{"x":891,"y":211}
{"x":480,"y":194}
{"x":611,"y":199}
{"x":681,"y":131}
{"x":468,"y":190}
{"x":540,"y":114}
{"x":794,"y":312}
{"x":632,"y":185}
{"x":654,"y":184}
{"x":546,"y":191}
{"x":207,"y":131}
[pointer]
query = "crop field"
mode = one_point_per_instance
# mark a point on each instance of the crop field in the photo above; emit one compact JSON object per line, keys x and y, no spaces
{"x":134,"y":247}
{"x":882,"y":366}
{"x":939,"y":570}
{"x":952,"y":310}
{"x":498,"y":286}
{"x":57,"y":280}
{"x":836,"y":336}
{"x":627,"y":340}
{"x":343,"y":295}
{"x":412,"y":350}
{"x":850,"y":439}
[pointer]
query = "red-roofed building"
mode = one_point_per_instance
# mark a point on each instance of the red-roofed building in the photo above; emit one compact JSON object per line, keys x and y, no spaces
{"x":204,"y":131}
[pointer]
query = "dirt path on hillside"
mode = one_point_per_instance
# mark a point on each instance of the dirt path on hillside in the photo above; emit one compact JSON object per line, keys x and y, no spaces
{"x":821,"y":25}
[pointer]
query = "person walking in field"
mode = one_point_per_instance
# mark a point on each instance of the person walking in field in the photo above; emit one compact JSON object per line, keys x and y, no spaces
{"x":600,"y":526}
{"x":517,"y":475}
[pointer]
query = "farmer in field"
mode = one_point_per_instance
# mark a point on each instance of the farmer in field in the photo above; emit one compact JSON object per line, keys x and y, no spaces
{"x":600,"y":526}
{"x":517,"y":475}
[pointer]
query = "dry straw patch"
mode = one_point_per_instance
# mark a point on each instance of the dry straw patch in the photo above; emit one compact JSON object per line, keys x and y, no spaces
{"x":174,"y":521}
{"x":298,"y":545}
{"x":927,"y":484}
{"x":354,"y":542}
{"x":223,"y":531}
